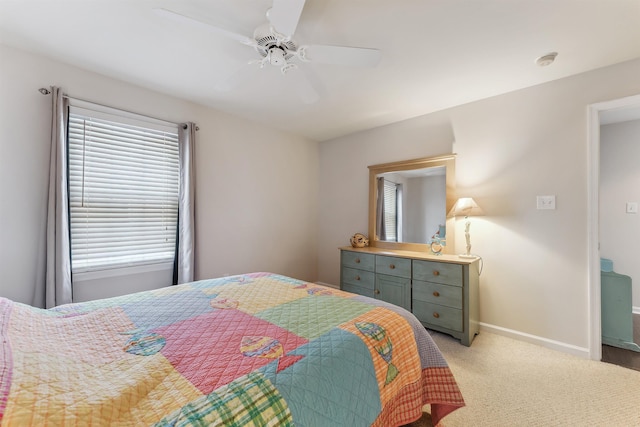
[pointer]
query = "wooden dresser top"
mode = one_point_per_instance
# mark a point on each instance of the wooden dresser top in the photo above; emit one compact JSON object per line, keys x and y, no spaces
{"x":454,"y":259}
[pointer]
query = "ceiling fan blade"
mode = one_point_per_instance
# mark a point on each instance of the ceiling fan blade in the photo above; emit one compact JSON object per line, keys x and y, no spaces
{"x":284,"y":15}
{"x":302,"y":86}
{"x":234,"y":79}
{"x":174,"y":16}
{"x":343,"y":55}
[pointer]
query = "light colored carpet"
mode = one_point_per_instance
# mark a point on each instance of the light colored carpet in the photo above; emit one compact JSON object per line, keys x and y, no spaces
{"x":506,"y":382}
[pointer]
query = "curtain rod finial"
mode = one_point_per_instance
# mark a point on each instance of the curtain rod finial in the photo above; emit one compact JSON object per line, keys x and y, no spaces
{"x":44,"y":91}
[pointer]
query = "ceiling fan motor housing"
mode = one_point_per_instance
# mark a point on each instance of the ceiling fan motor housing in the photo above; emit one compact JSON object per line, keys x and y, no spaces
{"x":279,"y":51}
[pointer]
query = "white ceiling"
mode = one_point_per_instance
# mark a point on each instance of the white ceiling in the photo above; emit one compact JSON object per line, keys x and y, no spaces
{"x":435,"y":53}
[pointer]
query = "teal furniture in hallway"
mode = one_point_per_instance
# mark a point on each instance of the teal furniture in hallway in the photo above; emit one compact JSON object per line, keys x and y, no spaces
{"x":617,"y":311}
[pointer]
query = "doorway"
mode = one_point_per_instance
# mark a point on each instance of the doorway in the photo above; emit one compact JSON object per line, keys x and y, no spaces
{"x":605,"y":112}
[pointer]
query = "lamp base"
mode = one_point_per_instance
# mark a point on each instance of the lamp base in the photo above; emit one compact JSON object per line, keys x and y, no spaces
{"x":467,"y":256}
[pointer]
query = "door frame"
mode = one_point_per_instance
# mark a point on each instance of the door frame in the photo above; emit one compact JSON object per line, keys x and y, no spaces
{"x":593,"y":218}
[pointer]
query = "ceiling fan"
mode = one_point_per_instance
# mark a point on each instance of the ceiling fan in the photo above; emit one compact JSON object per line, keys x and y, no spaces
{"x":275,"y":46}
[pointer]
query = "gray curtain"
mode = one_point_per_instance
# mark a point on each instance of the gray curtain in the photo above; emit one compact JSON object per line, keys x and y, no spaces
{"x":184,"y":264}
{"x":399,"y":213}
{"x":381,"y":230}
{"x":56,"y":286}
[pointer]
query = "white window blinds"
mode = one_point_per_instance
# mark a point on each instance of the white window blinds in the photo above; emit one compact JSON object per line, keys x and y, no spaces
{"x":123,"y":191}
{"x":391,"y":210}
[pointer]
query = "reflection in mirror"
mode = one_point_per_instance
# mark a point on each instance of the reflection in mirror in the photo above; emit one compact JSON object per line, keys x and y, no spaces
{"x":409,"y":201}
{"x":411,"y":205}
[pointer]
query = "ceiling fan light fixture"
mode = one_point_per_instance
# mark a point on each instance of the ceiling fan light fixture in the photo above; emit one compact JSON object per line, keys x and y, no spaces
{"x":288,"y":67}
{"x":277,"y":57}
{"x":547,"y":59}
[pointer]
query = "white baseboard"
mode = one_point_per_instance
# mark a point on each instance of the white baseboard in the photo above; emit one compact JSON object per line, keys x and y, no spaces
{"x":544,"y":342}
{"x":328,"y":284}
{"x":636,"y":310}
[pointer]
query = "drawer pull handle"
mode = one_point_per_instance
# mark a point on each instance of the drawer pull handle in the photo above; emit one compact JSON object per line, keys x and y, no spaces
{"x":436,"y":293}
{"x":357,"y":277}
{"x":391,"y":266}
{"x":436,"y":315}
{"x":377,"y":292}
{"x":357,"y":260}
{"x":436,"y":273}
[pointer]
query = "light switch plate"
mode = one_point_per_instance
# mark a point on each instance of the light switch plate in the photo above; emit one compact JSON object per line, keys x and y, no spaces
{"x":546,"y":202}
{"x":632,"y":207}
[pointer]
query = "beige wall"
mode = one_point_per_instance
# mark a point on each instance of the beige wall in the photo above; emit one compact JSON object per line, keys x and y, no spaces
{"x":510,"y":149}
{"x":272,"y":201}
{"x":257,"y":188}
{"x":619,"y":184}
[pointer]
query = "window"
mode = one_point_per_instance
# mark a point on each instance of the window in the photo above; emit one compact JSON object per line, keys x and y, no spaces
{"x":123,"y":190}
{"x":391,"y":211}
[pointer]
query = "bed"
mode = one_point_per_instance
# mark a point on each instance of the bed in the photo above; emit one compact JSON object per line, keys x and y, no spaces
{"x":254,"y":349}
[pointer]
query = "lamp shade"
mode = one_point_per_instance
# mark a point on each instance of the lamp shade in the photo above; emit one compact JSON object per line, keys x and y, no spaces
{"x":465,"y":206}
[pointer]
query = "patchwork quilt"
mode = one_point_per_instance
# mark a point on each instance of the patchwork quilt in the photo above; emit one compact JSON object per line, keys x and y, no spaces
{"x":251,"y":350}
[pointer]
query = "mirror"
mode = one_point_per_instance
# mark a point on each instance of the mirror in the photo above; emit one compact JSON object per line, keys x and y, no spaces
{"x":409,"y":201}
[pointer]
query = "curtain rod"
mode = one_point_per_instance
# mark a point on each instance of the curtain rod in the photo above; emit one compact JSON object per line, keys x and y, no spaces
{"x":46,"y":91}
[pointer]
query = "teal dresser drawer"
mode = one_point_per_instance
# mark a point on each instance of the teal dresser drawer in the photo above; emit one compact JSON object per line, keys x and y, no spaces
{"x":358,"y":260}
{"x":393,"y":266}
{"x":435,"y":293}
{"x":394,"y":289}
{"x":361,"y":278}
{"x":438,"y":315}
{"x":438,"y":272}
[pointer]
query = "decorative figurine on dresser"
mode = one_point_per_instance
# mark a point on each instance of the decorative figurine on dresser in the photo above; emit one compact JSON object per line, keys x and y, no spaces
{"x":400,"y":264}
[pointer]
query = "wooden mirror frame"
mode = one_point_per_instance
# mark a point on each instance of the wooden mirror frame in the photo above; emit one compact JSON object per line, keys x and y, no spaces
{"x":449,"y":162}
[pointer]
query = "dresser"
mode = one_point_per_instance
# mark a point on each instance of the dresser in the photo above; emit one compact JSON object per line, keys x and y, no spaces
{"x":441,"y":291}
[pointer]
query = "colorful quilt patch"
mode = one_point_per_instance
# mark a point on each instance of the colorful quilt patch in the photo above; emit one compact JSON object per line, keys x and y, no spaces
{"x":209,"y":350}
{"x":283,"y":279}
{"x":427,"y":358}
{"x":254,"y":299}
{"x":223,"y":303}
{"x":313,"y":289}
{"x":73,"y":338}
{"x":143,"y":343}
{"x":212,"y":285}
{"x":57,"y":389}
{"x":346,"y":373}
{"x":84,"y":307}
{"x":378,"y":336}
{"x":167,"y":309}
{"x":392,"y":346}
{"x":248,"y":401}
{"x":314,"y":315}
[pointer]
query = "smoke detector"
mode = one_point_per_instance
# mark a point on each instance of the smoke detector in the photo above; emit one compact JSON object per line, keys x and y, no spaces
{"x":547,"y":59}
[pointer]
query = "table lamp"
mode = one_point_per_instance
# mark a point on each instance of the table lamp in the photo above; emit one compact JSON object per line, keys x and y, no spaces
{"x":468,"y":207}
